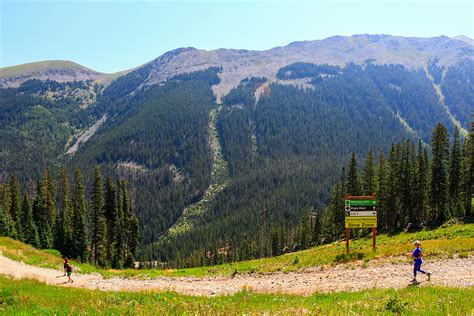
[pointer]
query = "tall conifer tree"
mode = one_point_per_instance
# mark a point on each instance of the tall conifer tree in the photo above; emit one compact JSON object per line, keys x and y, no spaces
{"x":29,"y":230}
{"x":15,"y":208}
{"x":353,"y":184}
{"x":382,"y":191}
{"x":368,"y":178}
{"x":98,"y":223}
{"x":393,"y":188}
{"x":111,"y":215}
{"x":64,"y":222}
{"x":420,"y":192}
{"x":467,"y":176}
{"x":79,"y":208}
{"x":439,"y":173}
{"x":455,"y":203}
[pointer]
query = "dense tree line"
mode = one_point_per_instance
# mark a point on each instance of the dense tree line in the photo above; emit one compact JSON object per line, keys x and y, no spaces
{"x":411,"y":95}
{"x":458,"y":90}
{"x":244,"y":93}
{"x":272,"y":198}
{"x":35,"y":127}
{"x":165,"y":135}
{"x":416,"y":187}
{"x":291,"y":125}
{"x":102,"y":230}
{"x":304,"y":70}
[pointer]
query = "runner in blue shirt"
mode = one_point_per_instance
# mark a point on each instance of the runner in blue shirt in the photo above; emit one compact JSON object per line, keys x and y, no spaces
{"x":417,"y":255}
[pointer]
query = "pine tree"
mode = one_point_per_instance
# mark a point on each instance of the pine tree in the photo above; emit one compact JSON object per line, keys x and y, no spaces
{"x":29,"y":230}
{"x":420,"y":192}
{"x":133,"y":238}
{"x":317,"y":230}
{"x":40,"y":217}
{"x":5,"y":200}
{"x":368,"y":180}
{"x":98,"y":224}
{"x":64,"y":224}
{"x":305,"y":234}
{"x":275,"y":241}
{"x":44,"y":210}
{"x":353,"y":184}
{"x":439,"y":173}
{"x":120,"y":225}
{"x":5,"y":223}
{"x":455,"y":203}
{"x":334,"y":220}
{"x":113,"y":223}
{"x":382,"y":192}
{"x":393,"y":188}
{"x":406,"y":172}
{"x":467,"y":176}
{"x":79,"y":227}
{"x":15,"y":208}
{"x":50,"y":190}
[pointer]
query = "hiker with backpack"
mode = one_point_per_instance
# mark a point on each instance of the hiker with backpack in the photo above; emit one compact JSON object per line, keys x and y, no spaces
{"x":66,"y":262}
{"x":67,"y":269}
{"x":417,"y":255}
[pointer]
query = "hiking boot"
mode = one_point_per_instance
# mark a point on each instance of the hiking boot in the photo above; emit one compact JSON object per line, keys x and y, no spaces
{"x":429,"y":276}
{"x":414,"y":280}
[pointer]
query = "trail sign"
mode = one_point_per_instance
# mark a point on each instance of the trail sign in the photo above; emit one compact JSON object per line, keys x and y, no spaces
{"x":360,"y":202}
{"x":360,"y":212}
{"x":361,"y":221}
{"x":363,"y":213}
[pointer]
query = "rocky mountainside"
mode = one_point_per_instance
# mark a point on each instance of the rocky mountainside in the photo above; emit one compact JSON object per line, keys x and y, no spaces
{"x":337,"y":50}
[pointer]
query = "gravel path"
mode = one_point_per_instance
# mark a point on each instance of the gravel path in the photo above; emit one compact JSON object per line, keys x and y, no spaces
{"x":456,"y":272}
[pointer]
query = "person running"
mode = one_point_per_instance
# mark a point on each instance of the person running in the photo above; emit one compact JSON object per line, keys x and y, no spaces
{"x":69,"y":272}
{"x":417,"y":255}
{"x":66,"y":262}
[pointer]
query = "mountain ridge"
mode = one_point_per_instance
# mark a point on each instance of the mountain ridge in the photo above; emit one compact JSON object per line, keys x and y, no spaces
{"x":238,"y":64}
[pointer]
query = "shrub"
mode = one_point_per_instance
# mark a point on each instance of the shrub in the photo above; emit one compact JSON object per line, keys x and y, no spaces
{"x":396,"y":305}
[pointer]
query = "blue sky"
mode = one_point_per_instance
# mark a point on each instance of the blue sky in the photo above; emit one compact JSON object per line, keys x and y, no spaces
{"x":109,"y":36}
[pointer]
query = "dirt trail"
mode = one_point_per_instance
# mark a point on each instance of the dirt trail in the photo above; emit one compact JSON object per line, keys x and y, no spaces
{"x":455,"y":272}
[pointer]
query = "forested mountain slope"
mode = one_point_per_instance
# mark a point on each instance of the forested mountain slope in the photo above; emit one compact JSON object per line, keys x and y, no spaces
{"x":287,"y":119}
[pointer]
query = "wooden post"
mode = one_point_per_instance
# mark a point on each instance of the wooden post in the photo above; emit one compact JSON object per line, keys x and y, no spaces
{"x":347,"y":240}
{"x":374,"y":232}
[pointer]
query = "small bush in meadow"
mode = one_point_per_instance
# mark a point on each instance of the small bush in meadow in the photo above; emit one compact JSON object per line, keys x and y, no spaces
{"x":396,"y":305}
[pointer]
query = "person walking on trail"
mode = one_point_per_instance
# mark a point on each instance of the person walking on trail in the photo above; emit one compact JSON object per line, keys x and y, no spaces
{"x":66,"y":262}
{"x":417,"y":255}
{"x":69,"y":272}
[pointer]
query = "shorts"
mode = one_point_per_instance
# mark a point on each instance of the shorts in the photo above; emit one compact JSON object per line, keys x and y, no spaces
{"x":69,"y":273}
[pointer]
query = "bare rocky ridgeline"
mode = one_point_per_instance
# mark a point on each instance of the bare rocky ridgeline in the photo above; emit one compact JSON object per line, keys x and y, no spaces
{"x":238,"y":64}
{"x":337,"y":50}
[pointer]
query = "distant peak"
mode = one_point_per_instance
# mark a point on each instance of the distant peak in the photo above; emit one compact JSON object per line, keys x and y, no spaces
{"x":176,"y":52}
{"x":465,"y":39}
{"x":59,"y":70}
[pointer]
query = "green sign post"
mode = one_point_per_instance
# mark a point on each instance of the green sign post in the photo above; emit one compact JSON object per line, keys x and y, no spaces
{"x":360,"y":212}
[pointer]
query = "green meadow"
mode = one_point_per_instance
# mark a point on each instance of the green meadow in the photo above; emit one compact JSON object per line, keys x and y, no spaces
{"x":28,"y":297}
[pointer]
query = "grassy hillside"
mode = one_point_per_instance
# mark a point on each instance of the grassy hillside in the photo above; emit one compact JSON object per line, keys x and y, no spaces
{"x":29,"y":297}
{"x":446,"y":242}
{"x":31,"y":68}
